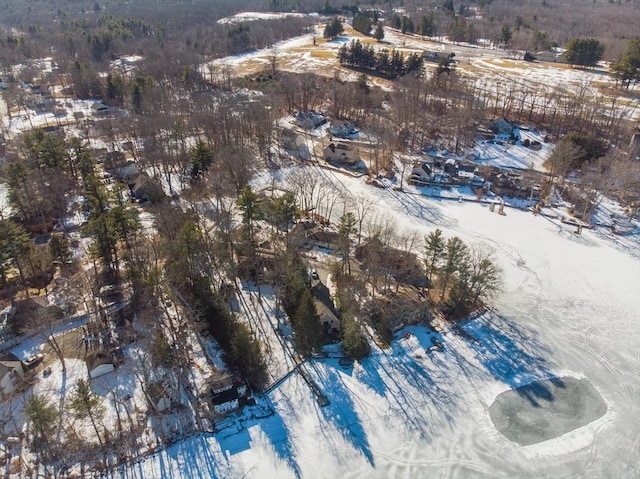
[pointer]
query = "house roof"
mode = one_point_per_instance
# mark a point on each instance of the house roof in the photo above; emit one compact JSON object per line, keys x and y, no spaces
{"x":323,"y":235}
{"x":8,"y":362}
{"x":99,"y":106}
{"x":98,"y":358}
{"x":225,"y":396}
{"x":9,"y":357}
{"x":422,"y":166}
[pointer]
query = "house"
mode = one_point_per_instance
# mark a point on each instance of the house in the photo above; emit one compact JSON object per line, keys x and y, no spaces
{"x":511,"y":185}
{"x":502,"y":127}
{"x":99,"y":108}
{"x":320,"y":237}
{"x":117,"y":164}
{"x":421,"y":174}
{"x":144,"y":188}
{"x":450,"y":167}
{"x":295,"y":143}
{"x":549,"y":56}
{"x":341,"y":153}
{"x":99,"y":363}
{"x":228,"y":395}
{"x":297,"y":235}
{"x":310,"y":120}
{"x":326,"y":309}
{"x":466,"y":173}
{"x":402,"y":266}
{"x":11,"y":373}
{"x":342,"y":128}
{"x":158,"y":397}
{"x":429,"y":56}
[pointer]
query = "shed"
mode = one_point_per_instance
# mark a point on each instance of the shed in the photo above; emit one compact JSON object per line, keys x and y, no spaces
{"x":99,"y":364}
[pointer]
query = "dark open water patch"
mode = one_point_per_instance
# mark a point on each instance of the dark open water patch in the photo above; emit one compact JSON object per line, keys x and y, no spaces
{"x":546,"y":409}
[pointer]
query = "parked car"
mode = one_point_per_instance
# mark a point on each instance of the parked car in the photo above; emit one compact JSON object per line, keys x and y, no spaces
{"x":33,"y":361}
{"x":314,"y":274}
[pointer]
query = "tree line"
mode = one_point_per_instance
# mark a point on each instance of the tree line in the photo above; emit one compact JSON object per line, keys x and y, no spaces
{"x":388,"y":63}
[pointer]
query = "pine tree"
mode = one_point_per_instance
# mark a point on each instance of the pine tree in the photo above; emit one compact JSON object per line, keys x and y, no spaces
{"x":354,"y":342}
{"x":584,"y":52}
{"x":378,"y":34}
{"x":434,"y":254}
{"x":627,"y":70}
{"x":85,"y":403}
{"x":449,"y":7}
{"x":201,"y":158}
{"x":246,"y":354}
{"x":456,"y":253}
{"x":407,"y":25}
{"x":346,"y":228}
{"x":249,"y":202}
{"x":14,"y":245}
{"x":427,"y":26}
{"x":333,"y":28}
{"x":362,"y":23}
{"x":306,"y":324}
{"x":42,"y":417}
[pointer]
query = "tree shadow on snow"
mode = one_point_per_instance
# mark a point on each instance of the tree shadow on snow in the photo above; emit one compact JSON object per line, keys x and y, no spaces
{"x":278,"y":433}
{"x":341,"y":411}
{"x":511,"y":354}
{"x":196,"y":458}
{"x":408,"y":389}
{"x":414,"y":205}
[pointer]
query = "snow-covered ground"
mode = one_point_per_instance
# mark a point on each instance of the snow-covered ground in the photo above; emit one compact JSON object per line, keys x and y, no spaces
{"x":254,"y":16}
{"x":569,"y":307}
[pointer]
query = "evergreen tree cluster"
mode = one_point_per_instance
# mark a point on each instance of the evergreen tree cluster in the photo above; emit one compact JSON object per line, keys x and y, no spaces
{"x":188,"y":269}
{"x":388,"y":63}
{"x":584,"y":52}
{"x":427,"y":25}
{"x":354,"y":341}
{"x":333,"y":28}
{"x":627,"y":69}
{"x":362,"y":23}
{"x":403,"y":23}
{"x":467,"y":277}
{"x":299,"y":305}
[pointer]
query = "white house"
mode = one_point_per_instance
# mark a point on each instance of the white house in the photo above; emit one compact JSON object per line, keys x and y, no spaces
{"x":11,"y":373}
{"x":466,"y":173}
{"x":227,"y":393}
{"x":341,"y":153}
{"x":420,"y":174}
{"x":342,"y":128}
{"x":310,"y":120}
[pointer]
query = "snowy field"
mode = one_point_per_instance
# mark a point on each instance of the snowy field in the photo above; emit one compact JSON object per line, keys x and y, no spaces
{"x":569,"y":309}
